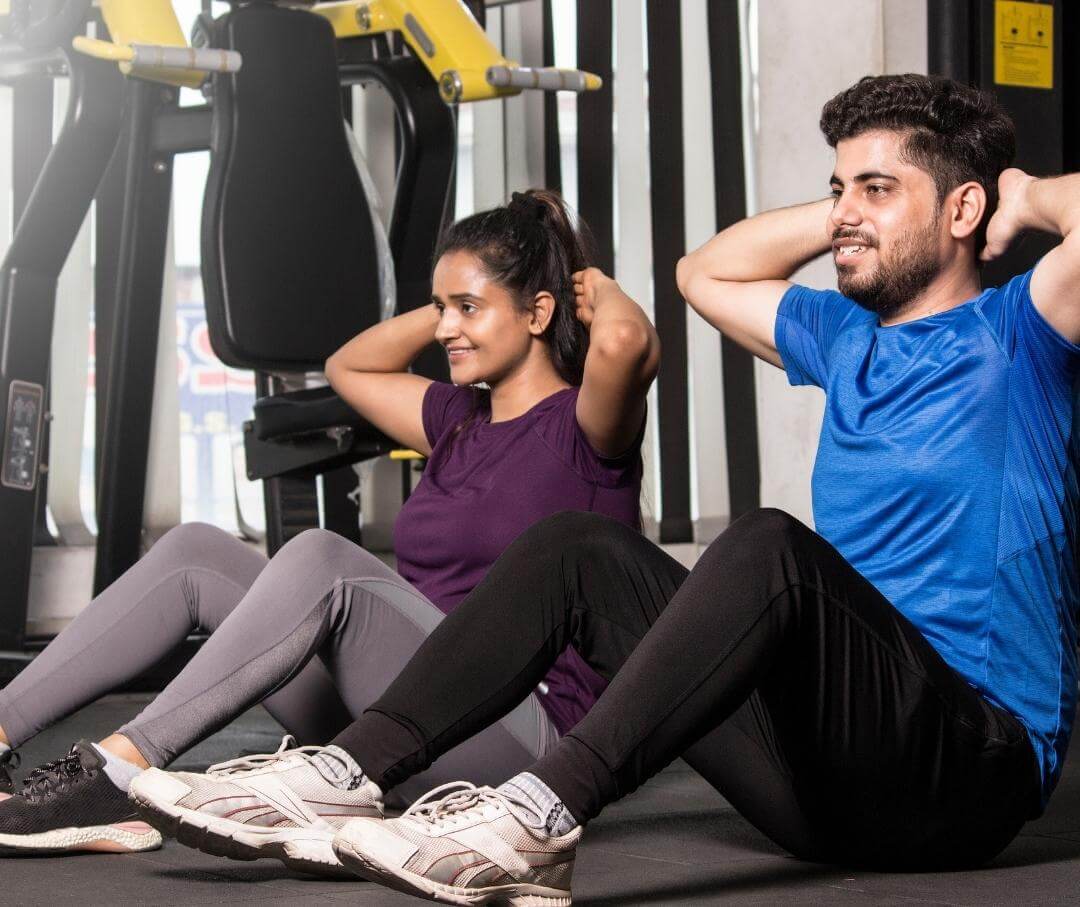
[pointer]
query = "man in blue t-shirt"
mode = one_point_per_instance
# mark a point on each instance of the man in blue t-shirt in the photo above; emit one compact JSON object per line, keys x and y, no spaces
{"x":896,"y":689}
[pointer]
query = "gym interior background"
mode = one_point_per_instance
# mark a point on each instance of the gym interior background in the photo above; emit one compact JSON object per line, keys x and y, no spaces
{"x":708,"y":112}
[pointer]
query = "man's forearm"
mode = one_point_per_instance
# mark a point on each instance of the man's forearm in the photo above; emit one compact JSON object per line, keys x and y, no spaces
{"x":1052,"y":204}
{"x":772,"y":245}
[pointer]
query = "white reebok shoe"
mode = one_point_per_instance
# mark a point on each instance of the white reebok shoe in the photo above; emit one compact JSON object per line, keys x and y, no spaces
{"x":284,"y":805}
{"x":474,"y":845}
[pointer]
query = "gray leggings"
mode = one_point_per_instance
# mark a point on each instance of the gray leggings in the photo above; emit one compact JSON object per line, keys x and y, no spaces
{"x":315,"y":634}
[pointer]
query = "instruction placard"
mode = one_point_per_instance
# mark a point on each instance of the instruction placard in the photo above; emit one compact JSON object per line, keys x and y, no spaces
{"x":1024,"y":44}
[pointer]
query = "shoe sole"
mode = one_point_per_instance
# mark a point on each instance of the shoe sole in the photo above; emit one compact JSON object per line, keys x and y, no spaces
{"x":299,"y":849}
{"x":521,"y":895}
{"x":124,"y":837}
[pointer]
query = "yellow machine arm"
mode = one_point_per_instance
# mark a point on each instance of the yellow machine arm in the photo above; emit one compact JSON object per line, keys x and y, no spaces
{"x":147,"y":41}
{"x":450,"y":43}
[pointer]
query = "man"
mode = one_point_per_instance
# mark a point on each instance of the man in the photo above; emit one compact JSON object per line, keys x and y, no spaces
{"x":897,"y":691}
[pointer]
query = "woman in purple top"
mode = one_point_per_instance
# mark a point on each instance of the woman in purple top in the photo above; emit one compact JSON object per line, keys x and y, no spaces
{"x":318,"y":632}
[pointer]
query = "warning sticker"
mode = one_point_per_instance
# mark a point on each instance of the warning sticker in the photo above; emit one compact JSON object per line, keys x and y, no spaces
{"x":1024,"y":44}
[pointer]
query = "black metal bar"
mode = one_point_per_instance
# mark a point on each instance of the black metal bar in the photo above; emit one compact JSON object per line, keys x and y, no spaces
{"x":729,"y":175}
{"x":669,"y":245}
{"x":595,"y":140}
{"x":125,"y":442}
{"x":43,"y":238}
{"x":32,"y":127}
{"x":32,"y":122}
{"x":340,"y":513}
{"x":182,"y":130}
{"x":1070,"y":84}
{"x":949,"y":39}
{"x":108,"y":222}
{"x":425,"y":172}
{"x":552,"y":145}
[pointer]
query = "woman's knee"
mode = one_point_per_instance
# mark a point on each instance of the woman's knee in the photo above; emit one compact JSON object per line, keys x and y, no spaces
{"x":319,"y":543}
{"x":194,"y":544}
{"x":337,"y":557}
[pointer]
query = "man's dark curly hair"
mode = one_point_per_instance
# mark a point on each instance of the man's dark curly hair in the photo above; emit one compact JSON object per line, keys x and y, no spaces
{"x":956,"y":134}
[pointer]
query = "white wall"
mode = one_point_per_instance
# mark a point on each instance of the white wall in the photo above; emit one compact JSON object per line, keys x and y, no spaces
{"x":802,"y":62}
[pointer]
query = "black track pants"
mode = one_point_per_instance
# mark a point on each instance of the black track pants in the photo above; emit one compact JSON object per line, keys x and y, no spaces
{"x":774,"y":668}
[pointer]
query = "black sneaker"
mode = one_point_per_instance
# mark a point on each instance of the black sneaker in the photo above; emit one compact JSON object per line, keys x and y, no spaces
{"x":70,"y":805}
{"x":8,"y":759}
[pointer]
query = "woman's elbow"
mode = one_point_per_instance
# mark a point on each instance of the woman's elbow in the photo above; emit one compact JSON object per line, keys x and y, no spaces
{"x":630,"y":342}
{"x":333,"y":369}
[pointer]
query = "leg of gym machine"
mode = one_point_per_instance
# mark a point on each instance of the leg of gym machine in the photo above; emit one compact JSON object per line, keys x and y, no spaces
{"x":291,"y":502}
{"x":32,"y":121}
{"x":28,"y":277}
{"x":126,"y":440}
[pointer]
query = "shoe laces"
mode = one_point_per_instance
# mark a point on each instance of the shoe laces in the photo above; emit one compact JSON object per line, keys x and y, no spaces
{"x":459,"y":801}
{"x":288,"y":749}
{"x":54,"y":777}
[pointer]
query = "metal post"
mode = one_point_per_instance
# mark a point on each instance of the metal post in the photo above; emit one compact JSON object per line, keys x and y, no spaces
{"x":28,"y":277}
{"x":126,"y":439}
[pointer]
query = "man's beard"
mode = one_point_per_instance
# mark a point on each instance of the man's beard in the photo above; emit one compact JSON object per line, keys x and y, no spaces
{"x":896,"y":281}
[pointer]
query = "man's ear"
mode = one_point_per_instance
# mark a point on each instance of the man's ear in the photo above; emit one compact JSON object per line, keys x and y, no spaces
{"x":965,"y":207}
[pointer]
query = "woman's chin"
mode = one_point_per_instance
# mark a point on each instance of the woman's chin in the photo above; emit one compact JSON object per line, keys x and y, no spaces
{"x":461,"y":375}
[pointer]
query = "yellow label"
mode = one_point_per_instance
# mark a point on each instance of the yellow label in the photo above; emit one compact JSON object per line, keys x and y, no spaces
{"x":1024,"y":44}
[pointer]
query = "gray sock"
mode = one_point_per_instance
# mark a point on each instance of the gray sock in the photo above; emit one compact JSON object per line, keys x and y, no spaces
{"x":119,"y":771}
{"x":339,"y":768}
{"x":542,"y":801}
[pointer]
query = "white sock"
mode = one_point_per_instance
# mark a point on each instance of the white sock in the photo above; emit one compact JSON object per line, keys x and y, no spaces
{"x":119,"y":771}
{"x":543,"y":801}
{"x":339,"y":768}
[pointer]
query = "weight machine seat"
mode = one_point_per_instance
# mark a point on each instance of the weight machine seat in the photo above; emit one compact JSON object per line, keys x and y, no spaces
{"x":310,"y":410}
{"x":290,"y":261}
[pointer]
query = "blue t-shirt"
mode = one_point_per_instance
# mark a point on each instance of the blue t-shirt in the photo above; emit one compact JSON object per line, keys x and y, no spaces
{"x":943,"y":476}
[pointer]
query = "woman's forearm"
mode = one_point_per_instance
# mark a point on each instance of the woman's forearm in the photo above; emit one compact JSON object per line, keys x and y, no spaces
{"x":389,"y":346}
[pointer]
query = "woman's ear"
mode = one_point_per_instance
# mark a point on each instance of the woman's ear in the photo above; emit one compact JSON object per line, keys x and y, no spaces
{"x":543,"y":310}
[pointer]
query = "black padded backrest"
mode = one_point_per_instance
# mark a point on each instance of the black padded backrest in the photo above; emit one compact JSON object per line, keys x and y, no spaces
{"x":288,"y":250}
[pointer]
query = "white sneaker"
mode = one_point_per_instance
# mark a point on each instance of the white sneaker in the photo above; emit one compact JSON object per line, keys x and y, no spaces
{"x":475,"y":845}
{"x":284,"y":805}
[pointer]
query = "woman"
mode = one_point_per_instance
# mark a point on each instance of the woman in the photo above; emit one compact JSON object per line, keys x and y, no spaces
{"x":567,"y":360}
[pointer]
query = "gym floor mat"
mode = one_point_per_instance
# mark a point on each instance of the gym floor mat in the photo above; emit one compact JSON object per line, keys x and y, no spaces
{"x":673,"y":842}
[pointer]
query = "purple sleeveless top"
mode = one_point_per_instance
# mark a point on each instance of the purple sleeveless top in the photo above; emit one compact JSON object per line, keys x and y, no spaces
{"x":486,"y":484}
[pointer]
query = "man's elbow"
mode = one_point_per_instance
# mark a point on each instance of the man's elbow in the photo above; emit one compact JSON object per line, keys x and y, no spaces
{"x":685,"y":271}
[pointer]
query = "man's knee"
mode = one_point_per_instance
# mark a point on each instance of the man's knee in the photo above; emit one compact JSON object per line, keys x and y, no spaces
{"x":765,"y":530}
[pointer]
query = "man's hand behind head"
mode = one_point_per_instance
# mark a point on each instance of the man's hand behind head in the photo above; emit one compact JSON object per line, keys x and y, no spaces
{"x":1011,"y":216}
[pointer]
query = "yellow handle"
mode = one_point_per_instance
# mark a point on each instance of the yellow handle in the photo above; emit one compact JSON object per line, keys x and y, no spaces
{"x":406,"y":455}
{"x":450,"y":43}
{"x":103,"y":50}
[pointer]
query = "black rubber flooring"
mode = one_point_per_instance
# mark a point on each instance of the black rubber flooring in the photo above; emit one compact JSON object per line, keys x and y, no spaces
{"x":673,"y":842}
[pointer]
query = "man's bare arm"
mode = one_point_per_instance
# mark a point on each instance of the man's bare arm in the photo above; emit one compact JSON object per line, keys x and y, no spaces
{"x":1052,"y":205}
{"x":737,"y":279}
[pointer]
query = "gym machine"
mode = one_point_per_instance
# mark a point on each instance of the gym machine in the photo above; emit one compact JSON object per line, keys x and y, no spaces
{"x":286,"y":260}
